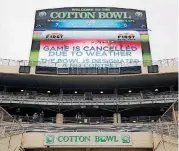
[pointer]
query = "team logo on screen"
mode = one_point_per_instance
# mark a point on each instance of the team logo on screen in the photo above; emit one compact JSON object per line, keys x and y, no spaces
{"x":126,"y":37}
{"x":42,"y":14}
{"x":54,"y":36}
{"x":139,"y":14}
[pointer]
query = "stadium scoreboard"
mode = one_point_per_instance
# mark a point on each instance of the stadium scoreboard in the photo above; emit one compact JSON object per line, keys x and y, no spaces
{"x":90,"y":37}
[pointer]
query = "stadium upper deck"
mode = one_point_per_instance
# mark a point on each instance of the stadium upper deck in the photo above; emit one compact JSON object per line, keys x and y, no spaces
{"x":89,"y":93}
{"x":19,"y":74}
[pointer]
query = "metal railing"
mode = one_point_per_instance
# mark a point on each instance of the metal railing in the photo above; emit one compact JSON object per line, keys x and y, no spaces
{"x":166,"y":128}
{"x":8,"y":125}
{"x":162,"y":63}
{"x":168,"y":123}
{"x":126,"y":127}
{"x":80,"y":99}
{"x":171,"y":115}
{"x":87,"y":120}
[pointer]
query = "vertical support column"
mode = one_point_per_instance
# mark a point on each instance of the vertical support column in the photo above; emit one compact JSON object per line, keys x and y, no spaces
{"x":118,"y":118}
{"x":1,"y":116}
{"x":141,"y":94}
{"x":174,"y":114}
{"x":115,"y":92}
{"x":115,"y":118}
{"x":61,"y":94}
{"x":59,"y":118}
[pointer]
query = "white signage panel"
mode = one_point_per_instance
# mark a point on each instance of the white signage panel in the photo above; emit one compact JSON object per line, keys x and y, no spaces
{"x":88,"y":53}
{"x":88,"y":139}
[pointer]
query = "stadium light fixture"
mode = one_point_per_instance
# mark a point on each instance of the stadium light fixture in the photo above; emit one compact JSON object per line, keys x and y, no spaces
{"x":134,"y":121}
{"x":156,"y":90}
{"x":48,"y":91}
{"x":75,"y":92}
{"x":83,"y":107}
{"x":22,"y":90}
{"x":129,"y":91}
{"x":96,"y":106}
{"x":101,"y":92}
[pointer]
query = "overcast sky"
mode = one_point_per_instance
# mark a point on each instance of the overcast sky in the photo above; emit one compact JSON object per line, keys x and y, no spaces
{"x":17,"y":21}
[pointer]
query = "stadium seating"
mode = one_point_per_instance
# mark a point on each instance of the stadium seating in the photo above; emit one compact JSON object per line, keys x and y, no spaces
{"x":6,"y":97}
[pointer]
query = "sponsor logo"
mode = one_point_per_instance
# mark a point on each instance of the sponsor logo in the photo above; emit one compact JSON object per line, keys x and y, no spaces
{"x":49,"y":139}
{"x":125,"y":139}
{"x":54,"y":36}
{"x":42,"y":14}
{"x":126,"y":37}
{"x":139,"y":14}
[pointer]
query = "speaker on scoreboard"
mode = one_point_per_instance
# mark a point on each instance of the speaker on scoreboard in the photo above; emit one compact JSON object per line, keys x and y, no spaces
{"x":63,"y":71}
{"x":153,"y":69}
{"x":82,"y":71}
{"x":102,"y":70}
{"x":131,"y":70}
{"x":113,"y":70}
{"x":45,"y":70}
{"x":24,"y":69}
{"x":73,"y":71}
{"x":87,"y":71}
{"x":92,"y":70}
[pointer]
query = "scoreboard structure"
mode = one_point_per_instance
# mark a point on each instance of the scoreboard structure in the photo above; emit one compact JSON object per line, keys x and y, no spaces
{"x":90,"y":37}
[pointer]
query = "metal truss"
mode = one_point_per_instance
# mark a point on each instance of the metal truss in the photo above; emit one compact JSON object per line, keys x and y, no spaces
{"x":97,"y":100}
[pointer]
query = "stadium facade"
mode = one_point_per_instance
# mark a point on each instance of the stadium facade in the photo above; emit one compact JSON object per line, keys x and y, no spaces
{"x":90,"y":84}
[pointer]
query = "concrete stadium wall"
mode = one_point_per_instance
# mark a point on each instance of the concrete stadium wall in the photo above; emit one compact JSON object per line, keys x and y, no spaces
{"x":9,"y":69}
{"x":10,"y":143}
{"x":95,"y":149}
{"x":15,"y":69}
{"x":142,"y":141}
{"x":168,"y":69}
{"x":139,"y":140}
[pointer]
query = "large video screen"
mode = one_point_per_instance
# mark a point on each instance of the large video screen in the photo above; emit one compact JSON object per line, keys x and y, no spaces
{"x":90,"y":37}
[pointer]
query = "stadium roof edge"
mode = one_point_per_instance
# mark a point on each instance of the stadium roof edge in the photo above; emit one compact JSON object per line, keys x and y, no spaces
{"x":89,"y":7}
{"x":89,"y":75}
{"x":88,"y":81}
